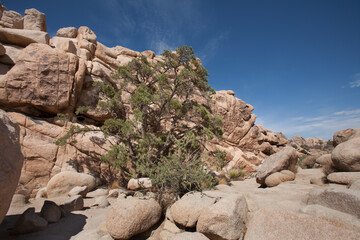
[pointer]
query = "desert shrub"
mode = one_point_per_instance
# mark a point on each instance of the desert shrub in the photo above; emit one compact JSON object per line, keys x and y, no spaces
{"x":236,"y":173}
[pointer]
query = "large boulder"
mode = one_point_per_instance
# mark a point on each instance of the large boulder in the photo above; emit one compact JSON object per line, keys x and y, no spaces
{"x":344,"y":200}
{"x":34,"y":20}
{"x":42,"y":78}
{"x":11,"y":161}
{"x":276,"y":178}
{"x":284,"y":224}
{"x":67,"y":32}
{"x":22,"y":37}
{"x":11,"y":19}
{"x":129,"y":217}
{"x":236,"y":115}
{"x":342,"y":136}
{"x":28,"y":222}
{"x":286,"y":159}
{"x":345,"y":178}
{"x":225,"y":219}
{"x":187,"y":210}
{"x":346,"y":155}
{"x":62,"y":183}
{"x":11,"y":55}
{"x":50,"y":211}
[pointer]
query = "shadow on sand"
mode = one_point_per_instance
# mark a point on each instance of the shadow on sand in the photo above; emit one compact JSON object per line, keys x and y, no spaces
{"x":64,"y":229}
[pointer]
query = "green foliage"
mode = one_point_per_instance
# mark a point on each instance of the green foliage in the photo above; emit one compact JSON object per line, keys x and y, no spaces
{"x":220,"y":159}
{"x":81,"y":110}
{"x":236,"y":173}
{"x":162,"y":136}
{"x":306,"y":147}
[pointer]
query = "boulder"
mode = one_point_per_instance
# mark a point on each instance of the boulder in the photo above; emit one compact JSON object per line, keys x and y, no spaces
{"x":186,"y":211}
{"x":342,"y":136}
{"x":308,"y":162}
{"x":285,"y":224}
{"x":78,"y":190}
{"x":346,"y":155}
{"x":28,"y":222}
{"x":324,"y":159}
{"x":50,"y":211}
{"x":98,"y":192}
{"x":276,"y":178}
{"x":344,"y":200}
{"x":355,"y":185}
{"x":235,"y":113}
{"x":148,"y":53}
{"x":34,"y":20}
{"x":11,"y":160}
{"x":66,"y":44}
{"x":12,"y":54}
{"x":67,"y":32}
{"x":139,"y":183}
{"x":286,"y":159}
{"x":225,"y":219}
{"x":129,"y":217}
{"x":11,"y":19}
{"x":62,"y":183}
{"x":40,"y":82}
{"x":101,"y":202}
{"x":87,"y":39}
{"x":71,"y":204}
{"x":108,"y":55}
{"x":23,"y":37}
{"x":189,"y":236}
{"x":345,"y":178}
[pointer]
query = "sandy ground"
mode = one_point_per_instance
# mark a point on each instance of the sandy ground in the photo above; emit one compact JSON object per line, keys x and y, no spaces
{"x":88,"y":224}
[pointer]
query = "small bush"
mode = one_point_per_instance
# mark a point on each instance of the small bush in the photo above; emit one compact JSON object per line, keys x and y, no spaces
{"x":235,"y":173}
{"x":306,"y":147}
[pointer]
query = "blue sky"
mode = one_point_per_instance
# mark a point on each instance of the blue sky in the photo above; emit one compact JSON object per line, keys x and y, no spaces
{"x":296,"y":61}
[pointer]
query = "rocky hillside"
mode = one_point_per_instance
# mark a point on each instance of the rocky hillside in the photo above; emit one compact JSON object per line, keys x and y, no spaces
{"x":41,"y":78}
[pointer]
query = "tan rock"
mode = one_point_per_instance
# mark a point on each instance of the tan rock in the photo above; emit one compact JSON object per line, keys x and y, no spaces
{"x":345,"y":178}
{"x":71,"y":204}
{"x":22,"y":37}
{"x":2,"y":50}
{"x":189,"y":236}
{"x":98,"y":193}
{"x":11,"y":19}
{"x":324,"y":160}
{"x":125,"y":51}
{"x":187,"y":210}
{"x":39,"y":81}
{"x":355,"y":185}
{"x":308,"y":162}
{"x":346,"y":155}
{"x":124,"y":59}
{"x":12,"y":54}
{"x":236,"y":115}
{"x":67,"y":32}
{"x":78,"y":190}
{"x":285,"y":224}
{"x":66,"y":44}
{"x":139,"y":183}
{"x":62,"y":183}
{"x":225,"y":219}
{"x":342,"y":136}
{"x":148,"y":53}
{"x":108,"y":55}
{"x":344,"y":200}
{"x":87,"y":34}
{"x":276,"y":178}
{"x":143,"y":215}
{"x":34,"y":20}
{"x":283,"y":160}
{"x":11,"y":160}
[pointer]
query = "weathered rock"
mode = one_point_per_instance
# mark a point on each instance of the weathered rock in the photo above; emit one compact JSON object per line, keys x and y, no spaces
{"x":308,"y":162}
{"x":28,"y":222}
{"x":125,"y":51}
{"x":355,"y":185}
{"x":11,"y":19}
{"x":101,"y":202}
{"x":324,"y":160}
{"x":235,"y":113}
{"x":113,"y":193}
{"x":39,"y":81}
{"x":87,"y":39}
{"x":276,"y":178}
{"x":342,"y":136}
{"x":139,"y":183}
{"x":67,"y":32}
{"x":2,"y":50}
{"x":346,"y":155}
{"x":98,"y":192}
{"x":78,"y":190}
{"x":50,"y":212}
{"x":344,"y":200}
{"x":284,"y":224}
{"x":144,"y":214}
{"x":11,"y":160}
{"x":41,"y":193}
{"x":12,"y":54}
{"x":66,"y":44}
{"x":225,"y":219}
{"x":148,"y":53}
{"x":34,"y":20}
{"x":189,"y":236}
{"x":186,"y":211}
{"x":345,"y":178}
{"x":286,"y":159}
{"x":108,"y":55}
{"x":72,"y":204}
{"x":62,"y":183}
{"x":22,"y":37}
{"x":320,"y":181}
{"x":336,"y":217}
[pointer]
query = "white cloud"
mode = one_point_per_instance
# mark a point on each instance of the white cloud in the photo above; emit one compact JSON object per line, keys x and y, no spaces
{"x":355,"y":83}
{"x":321,"y":126}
